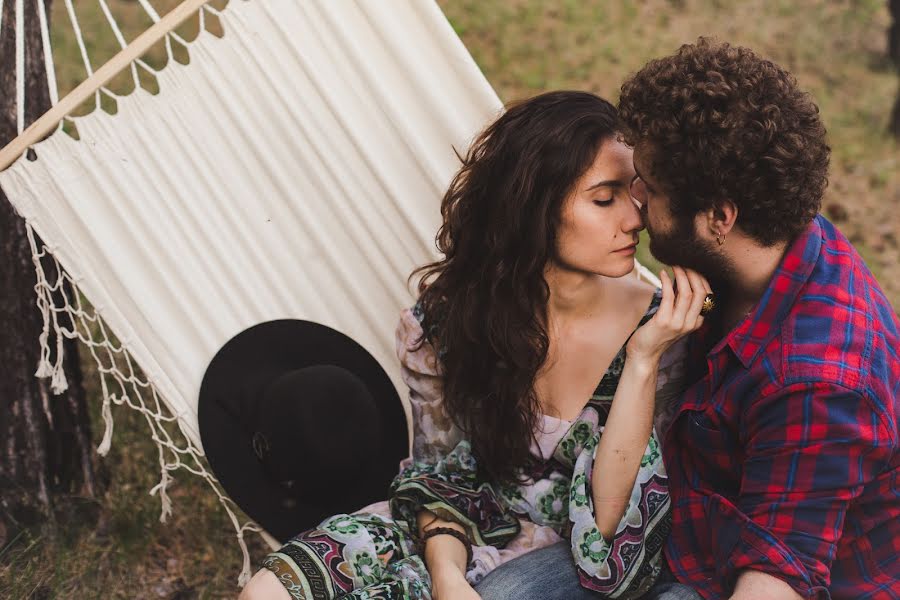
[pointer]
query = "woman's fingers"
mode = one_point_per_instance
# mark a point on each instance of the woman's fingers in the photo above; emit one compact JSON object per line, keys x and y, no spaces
{"x":678,"y":313}
{"x":666,"y":304}
{"x":683,"y":299}
{"x":700,"y":288}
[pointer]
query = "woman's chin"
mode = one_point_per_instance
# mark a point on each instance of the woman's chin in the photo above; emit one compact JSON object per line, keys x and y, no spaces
{"x":620,"y":269}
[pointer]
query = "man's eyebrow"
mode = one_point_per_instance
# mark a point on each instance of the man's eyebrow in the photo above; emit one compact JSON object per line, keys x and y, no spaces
{"x":605,"y":183}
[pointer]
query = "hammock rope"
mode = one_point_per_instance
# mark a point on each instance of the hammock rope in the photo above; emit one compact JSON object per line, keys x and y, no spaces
{"x":20,"y":67}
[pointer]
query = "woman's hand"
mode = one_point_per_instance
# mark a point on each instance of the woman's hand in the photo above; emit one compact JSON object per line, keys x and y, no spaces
{"x":677,"y":315}
{"x":629,"y":424}
{"x":451,"y":584}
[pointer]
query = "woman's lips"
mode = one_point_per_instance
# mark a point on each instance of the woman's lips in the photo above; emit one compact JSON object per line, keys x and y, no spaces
{"x":627,"y":249}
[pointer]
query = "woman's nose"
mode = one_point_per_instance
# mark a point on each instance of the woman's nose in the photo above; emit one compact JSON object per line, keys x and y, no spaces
{"x":634,"y":218}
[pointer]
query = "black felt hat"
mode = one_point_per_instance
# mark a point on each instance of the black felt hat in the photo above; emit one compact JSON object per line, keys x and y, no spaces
{"x":300,"y":422}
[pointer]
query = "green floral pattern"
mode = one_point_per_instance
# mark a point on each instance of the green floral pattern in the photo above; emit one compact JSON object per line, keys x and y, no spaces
{"x":593,"y":547}
{"x":346,"y":526}
{"x":579,"y":495}
{"x":652,"y":453}
{"x":366,"y":568}
{"x":575,"y":440}
{"x":554,"y":504}
{"x":372,"y":555}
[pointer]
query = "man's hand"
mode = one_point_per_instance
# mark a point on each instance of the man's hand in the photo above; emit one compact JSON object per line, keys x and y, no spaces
{"x":754,"y":585}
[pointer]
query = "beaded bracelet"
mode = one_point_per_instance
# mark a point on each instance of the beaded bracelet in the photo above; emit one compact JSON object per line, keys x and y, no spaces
{"x":462,"y":537}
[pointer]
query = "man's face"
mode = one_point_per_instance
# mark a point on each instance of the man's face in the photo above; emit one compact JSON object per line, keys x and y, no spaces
{"x":673,"y":235}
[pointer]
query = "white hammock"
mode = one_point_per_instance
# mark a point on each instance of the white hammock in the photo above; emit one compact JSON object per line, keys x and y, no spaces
{"x":293,"y":169}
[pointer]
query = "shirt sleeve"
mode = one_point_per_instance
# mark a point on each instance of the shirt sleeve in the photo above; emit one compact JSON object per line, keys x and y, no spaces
{"x":441,"y":475}
{"x":810,"y":449}
{"x":452,"y":490}
{"x":434,"y":434}
{"x":627,"y":565}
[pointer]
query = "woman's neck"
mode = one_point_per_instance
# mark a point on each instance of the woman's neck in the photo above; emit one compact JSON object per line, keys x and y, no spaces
{"x":573,"y":294}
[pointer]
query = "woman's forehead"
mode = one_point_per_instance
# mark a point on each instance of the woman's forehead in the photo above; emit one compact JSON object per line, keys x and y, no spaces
{"x":613,"y":159}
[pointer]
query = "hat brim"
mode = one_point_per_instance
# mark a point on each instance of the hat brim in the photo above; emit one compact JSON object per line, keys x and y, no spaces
{"x":262,"y":352}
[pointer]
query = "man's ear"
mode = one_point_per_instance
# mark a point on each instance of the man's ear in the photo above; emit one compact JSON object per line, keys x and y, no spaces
{"x":721,"y":218}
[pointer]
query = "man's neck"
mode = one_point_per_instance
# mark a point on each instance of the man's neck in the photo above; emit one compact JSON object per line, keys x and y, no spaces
{"x":753,"y":266}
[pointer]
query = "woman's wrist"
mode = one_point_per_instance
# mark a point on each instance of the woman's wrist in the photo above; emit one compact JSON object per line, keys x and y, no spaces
{"x":447,"y":552}
{"x":642,"y":363}
{"x":448,"y":532}
{"x":445,"y":569}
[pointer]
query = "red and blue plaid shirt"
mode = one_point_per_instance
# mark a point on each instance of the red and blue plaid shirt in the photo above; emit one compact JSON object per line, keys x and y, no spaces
{"x":784,"y":456}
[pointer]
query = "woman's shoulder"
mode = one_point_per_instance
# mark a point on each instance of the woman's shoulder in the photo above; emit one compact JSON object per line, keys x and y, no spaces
{"x":409,"y":326}
{"x":638,"y":295}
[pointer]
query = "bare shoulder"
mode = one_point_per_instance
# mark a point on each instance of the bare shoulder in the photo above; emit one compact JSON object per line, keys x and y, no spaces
{"x":633,"y":293}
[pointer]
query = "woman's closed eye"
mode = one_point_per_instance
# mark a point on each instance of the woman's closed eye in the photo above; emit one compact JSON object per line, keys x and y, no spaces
{"x":607,"y":202}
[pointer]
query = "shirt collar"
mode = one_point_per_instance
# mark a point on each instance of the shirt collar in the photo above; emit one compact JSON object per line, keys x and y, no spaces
{"x":752,"y":334}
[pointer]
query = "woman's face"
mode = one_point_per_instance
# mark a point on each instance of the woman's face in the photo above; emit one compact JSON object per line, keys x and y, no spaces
{"x":599,"y":225}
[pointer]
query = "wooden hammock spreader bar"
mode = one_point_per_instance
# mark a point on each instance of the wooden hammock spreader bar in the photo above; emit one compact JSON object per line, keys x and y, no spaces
{"x":49,"y":120}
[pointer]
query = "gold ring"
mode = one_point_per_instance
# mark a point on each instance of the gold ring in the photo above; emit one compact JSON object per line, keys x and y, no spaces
{"x":709,"y":303}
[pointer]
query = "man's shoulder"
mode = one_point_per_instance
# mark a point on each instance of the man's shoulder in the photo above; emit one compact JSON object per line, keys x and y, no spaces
{"x":841,"y":328}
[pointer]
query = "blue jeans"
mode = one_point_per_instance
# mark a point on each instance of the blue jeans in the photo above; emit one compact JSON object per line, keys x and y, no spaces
{"x":550,"y":574}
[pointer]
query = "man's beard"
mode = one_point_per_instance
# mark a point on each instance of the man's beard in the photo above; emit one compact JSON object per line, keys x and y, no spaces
{"x":681,"y":246}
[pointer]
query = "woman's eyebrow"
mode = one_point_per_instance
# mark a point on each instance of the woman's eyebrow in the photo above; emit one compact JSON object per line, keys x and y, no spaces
{"x":605,"y":183}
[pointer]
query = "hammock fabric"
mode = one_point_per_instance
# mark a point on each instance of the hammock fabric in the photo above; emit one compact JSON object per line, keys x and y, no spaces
{"x":293,"y":169}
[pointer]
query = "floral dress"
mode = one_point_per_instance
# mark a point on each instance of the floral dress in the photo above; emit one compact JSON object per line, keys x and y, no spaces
{"x":372,"y":554}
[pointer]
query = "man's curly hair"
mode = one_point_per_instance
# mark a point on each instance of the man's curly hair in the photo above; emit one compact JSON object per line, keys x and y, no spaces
{"x":722,"y":123}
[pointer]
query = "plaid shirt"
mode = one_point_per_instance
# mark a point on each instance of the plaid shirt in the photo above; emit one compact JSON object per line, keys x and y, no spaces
{"x":784,"y":454}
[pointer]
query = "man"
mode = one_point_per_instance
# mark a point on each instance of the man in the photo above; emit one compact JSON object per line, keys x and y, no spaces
{"x":783,"y":457}
{"x":783,"y":453}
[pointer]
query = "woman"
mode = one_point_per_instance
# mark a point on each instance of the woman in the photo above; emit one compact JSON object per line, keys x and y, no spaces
{"x":515,"y":355}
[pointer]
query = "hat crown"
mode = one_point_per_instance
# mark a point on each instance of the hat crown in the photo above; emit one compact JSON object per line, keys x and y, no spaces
{"x":298,"y":422}
{"x":315,"y":425}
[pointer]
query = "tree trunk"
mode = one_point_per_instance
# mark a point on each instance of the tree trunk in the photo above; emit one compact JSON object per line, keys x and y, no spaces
{"x":894,"y":55}
{"x":45,"y":441}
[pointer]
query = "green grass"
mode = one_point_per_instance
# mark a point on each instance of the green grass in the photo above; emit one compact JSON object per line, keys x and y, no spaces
{"x":115,"y":547}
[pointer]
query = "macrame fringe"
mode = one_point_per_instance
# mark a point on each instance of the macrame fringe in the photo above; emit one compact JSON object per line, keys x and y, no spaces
{"x":162,"y":487}
{"x":44,"y":370}
{"x":244,"y":577}
{"x":58,"y":382}
{"x":106,"y":411}
{"x":42,"y":289}
{"x":53,"y":369}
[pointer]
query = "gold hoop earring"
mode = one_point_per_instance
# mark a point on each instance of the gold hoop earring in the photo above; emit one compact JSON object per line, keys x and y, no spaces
{"x":720,"y":239}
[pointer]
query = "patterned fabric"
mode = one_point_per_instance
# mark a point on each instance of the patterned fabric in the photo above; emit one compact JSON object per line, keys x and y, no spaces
{"x":783,"y":456}
{"x":362,"y":556}
{"x":371,"y":554}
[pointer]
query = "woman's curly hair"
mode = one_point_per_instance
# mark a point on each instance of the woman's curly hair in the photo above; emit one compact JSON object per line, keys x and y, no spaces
{"x":722,"y":123}
{"x":485,"y":300}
